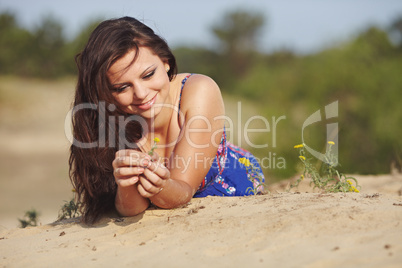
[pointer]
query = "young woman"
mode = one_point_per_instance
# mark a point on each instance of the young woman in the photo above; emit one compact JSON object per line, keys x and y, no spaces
{"x":143,"y":133}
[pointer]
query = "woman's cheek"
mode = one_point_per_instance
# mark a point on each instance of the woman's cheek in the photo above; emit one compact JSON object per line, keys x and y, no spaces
{"x":160,"y":84}
{"x":124,"y":99}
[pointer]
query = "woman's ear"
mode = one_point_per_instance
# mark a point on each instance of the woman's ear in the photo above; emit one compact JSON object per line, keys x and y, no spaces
{"x":167,"y":67}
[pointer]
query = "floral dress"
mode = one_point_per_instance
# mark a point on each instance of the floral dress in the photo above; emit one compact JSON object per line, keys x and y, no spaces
{"x":234,"y":171}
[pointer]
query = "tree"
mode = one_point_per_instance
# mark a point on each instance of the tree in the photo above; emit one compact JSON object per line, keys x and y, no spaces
{"x":77,"y":45}
{"x":396,"y":27}
{"x":48,"y":47}
{"x":238,"y":34}
{"x":14,"y":45}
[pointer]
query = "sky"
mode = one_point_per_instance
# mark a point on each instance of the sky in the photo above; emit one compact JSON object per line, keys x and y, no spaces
{"x":303,"y":26}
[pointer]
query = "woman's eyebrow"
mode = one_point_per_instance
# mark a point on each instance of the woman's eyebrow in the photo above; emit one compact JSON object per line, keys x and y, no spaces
{"x":121,"y":83}
{"x":147,"y":69}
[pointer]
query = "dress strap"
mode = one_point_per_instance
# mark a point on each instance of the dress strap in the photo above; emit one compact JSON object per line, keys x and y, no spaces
{"x":181,"y":90}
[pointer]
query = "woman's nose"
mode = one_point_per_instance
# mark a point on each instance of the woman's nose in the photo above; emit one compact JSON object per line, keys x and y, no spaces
{"x":140,"y":91}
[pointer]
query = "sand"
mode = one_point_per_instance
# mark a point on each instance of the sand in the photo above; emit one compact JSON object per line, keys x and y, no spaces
{"x":281,"y":229}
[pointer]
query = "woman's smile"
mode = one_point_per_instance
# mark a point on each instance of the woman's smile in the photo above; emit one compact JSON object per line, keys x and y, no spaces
{"x":147,"y":105}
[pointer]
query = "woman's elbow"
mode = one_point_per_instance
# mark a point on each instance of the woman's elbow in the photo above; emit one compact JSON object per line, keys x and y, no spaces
{"x":178,"y":201}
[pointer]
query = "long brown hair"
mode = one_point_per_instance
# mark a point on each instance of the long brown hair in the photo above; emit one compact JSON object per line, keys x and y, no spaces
{"x":96,"y":130}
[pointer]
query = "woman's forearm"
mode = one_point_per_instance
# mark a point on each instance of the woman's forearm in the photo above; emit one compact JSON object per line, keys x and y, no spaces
{"x":174,"y":194}
{"x":129,"y":202}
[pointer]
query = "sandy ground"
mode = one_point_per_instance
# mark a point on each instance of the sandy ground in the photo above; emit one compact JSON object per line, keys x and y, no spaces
{"x":302,"y":228}
{"x":277,"y":230}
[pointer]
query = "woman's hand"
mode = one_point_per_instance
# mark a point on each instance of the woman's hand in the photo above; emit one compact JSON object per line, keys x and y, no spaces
{"x":128,"y":165}
{"x":153,"y":179}
{"x":132,"y":166}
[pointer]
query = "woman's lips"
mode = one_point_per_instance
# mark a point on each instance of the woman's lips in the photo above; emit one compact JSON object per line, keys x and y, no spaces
{"x":147,"y":105}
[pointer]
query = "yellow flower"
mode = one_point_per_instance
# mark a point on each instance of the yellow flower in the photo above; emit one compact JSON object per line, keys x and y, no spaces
{"x":156,"y":140}
{"x":353,"y":189}
{"x":302,"y":177}
{"x":348,"y":181}
{"x":298,"y":146}
{"x":244,"y":161}
{"x":302,"y":158}
{"x":331,"y":142}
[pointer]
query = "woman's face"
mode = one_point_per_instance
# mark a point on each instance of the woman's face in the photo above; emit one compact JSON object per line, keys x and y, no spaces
{"x":140,"y":87}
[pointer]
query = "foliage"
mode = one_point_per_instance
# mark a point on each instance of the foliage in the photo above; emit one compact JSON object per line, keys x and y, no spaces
{"x":70,"y":209}
{"x":30,"y":218}
{"x":239,"y":31}
{"x":328,"y":179}
{"x":14,"y":46}
{"x":76,"y":45}
{"x":362,"y":74}
{"x":41,"y":52}
{"x":396,"y":27}
{"x":238,"y":34}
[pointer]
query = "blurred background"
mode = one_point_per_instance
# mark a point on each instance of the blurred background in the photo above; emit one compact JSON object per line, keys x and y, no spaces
{"x":276,"y":59}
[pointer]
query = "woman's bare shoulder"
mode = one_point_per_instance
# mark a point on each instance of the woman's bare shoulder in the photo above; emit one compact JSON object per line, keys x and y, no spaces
{"x":200,"y":84}
{"x":201,"y":91}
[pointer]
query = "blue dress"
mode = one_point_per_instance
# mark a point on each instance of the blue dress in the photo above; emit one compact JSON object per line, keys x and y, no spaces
{"x":234,"y":172}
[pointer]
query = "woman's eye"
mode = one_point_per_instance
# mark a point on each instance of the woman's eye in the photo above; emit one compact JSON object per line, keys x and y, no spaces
{"x":120,"y":89}
{"x":150,"y":74}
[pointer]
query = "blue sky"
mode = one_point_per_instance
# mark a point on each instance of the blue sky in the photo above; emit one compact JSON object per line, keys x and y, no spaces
{"x":300,"y":25}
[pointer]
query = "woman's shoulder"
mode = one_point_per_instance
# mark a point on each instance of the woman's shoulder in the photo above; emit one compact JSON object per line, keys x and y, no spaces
{"x":198,"y":84}
{"x":200,"y":91}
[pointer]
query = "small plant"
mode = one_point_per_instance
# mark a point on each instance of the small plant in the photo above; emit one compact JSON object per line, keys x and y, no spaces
{"x":254,"y":177}
{"x":69,"y":210}
{"x":328,"y":178}
{"x":30,"y":219}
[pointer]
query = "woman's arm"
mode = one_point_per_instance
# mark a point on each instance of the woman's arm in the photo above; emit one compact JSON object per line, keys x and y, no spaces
{"x":128,"y":165}
{"x":129,"y":202}
{"x":203,"y":110}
